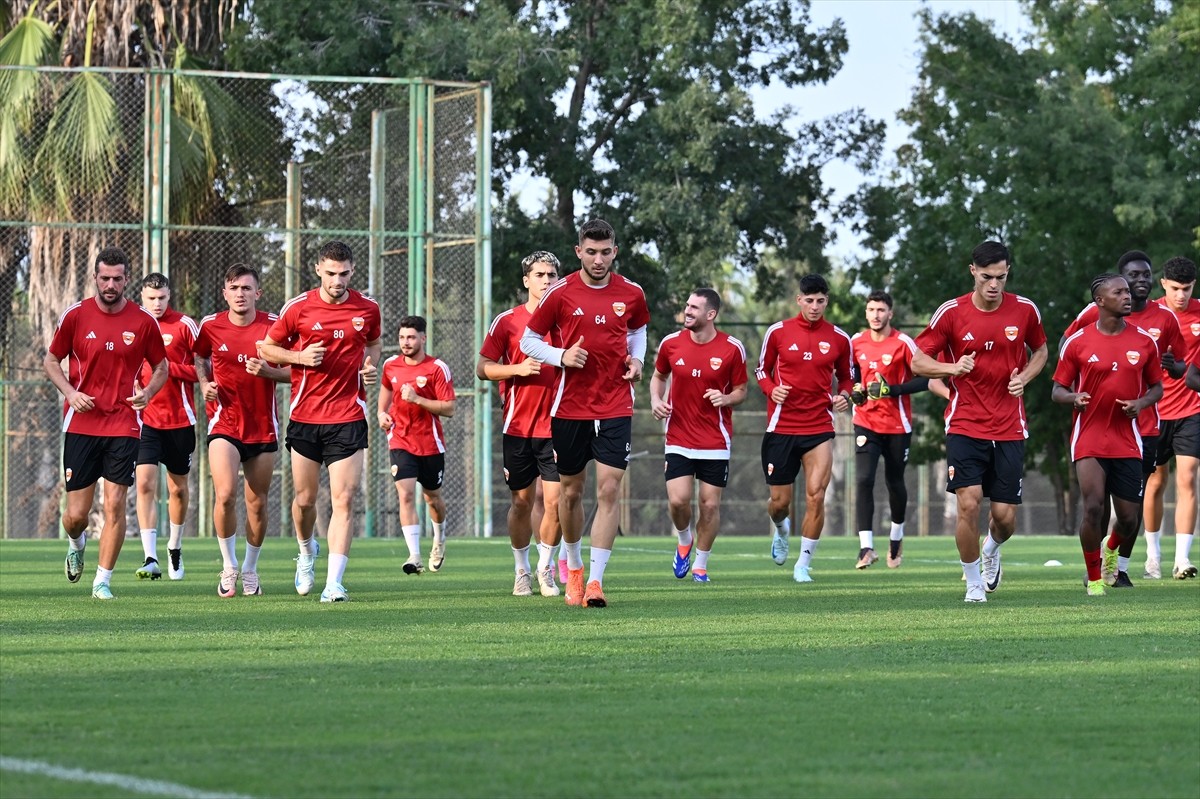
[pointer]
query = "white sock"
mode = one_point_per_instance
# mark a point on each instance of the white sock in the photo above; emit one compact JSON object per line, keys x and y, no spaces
{"x":545,"y":554}
{"x":102,"y":576}
{"x":562,"y":550}
{"x":77,"y":544}
{"x":685,"y":536}
{"x":1154,"y":545}
{"x":250,"y":562}
{"x":229,"y":551}
{"x":309,"y":546}
{"x":1183,"y":547}
{"x":808,"y":548}
{"x":574,"y":554}
{"x":521,"y":559}
{"x":1122,"y":564}
{"x":971,"y":572}
{"x":701,"y":562}
{"x":335,"y":570}
{"x":439,"y":532}
{"x":897,"y":533}
{"x":599,"y":562}
{"x":175,"y":541}
{"x":784,"y":528}
{"x":990,"y":547}
{"x":866,"y":539}
{"x":412,"y":537}
{"x":149,"y":543}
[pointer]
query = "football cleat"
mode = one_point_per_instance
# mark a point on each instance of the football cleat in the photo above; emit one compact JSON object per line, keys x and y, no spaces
{"x":779,"y":543}
{"x":175,"y":564}
{"x":866,"y":556}
{"x":683,"y":561}
{"x":305,"y":575}
{"x":74,"y":565}
{"x":1108,"y":568}
{"x":1095,"y":587}
{"x":1122,"y":581}
{"x":437,"y":555}
{"x":800,"y":574}
{"x":562,"y":571}
{"x":975,"y":593}
{"x":250,"y":586}
{"x":102,"y":591}
{"x":700,"y":576}
{"x":1183,"y":571}
{"x":574,"y":592}
{"x":149,"y":570}
{"x":413,"y":565}
{"x":523,"y":585}
{"x":546,"y":584}
{"x":334,"y":593}
{"x":992,"y":572}
{"x":1153,"y":570}
{"x":893,"y":561}
{"x":594,"y":597}
{"x":227,"y":585}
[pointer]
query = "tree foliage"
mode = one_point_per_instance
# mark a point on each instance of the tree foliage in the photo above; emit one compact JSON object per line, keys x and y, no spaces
{"x":637,"y":111}
{"x":1071,"y":148}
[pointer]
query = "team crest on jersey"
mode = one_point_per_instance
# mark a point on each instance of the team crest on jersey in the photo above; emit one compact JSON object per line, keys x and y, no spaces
{"x":1154,"y":332}
{"x":715,"y":363}
{"x":167,"y":339}
{"x":886,"y":358}
{"x":1133,"y":356}
{"x":358,"y":323}
{"x":421,"y":381}
{"x":127,"y":337}
{"x":619,"y":308}
{"x":823,"y":346}
{"x":1010,"y":332}
{"x":1196,"y":328}
{"x":950,"y":472}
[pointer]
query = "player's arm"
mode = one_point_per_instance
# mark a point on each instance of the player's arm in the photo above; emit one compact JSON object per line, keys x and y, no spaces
{"x":1077,"y":400}
{"x":488,"y":369}
{"x":925,"y":365}
{"x":635,"y":342}
{"x":766,"y":366}
{"x":659,"y":407}
{"x":182,"y":371}
{"x":1192,"y":378}
{"x":939,"y":388}
{"x":1152,"y":395}
{"x":735,"y":397}
{"x":158,"y":378}
{"x":383,"y":405}
{"x":81,"y":402}
{"x":275,"y":352}
{"x":438,"y":407}
{"x":1037,"y":362}
{"x":208,"y":389}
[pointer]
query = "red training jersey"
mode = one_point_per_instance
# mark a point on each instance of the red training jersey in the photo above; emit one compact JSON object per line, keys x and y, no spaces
{"x":1162,"y":326}
{"x":105,"y":354}
{"x":245,"y":407}
{"x":891,"y":358}
{"x":333,"y":392}
{"x":980,"y":405}
{"x":415,"y":429}
{"x":695,"y":428}
{"x":527,"y":400}
{"x":1109,"y":368}
{"x":1179,"y":401}
{"x":174,"y":407}
{"x":603,"y":317}
{"x":806,"y":357}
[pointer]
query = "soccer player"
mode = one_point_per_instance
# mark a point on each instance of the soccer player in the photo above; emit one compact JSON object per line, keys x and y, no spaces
{"x":243,"y":425}
{"x":1180,"y":437}
{"x":323,"y":335}
{"x":800,"y":361}
{"x":883,"y":423}
{"x":601,"y":317}
{"x":1163,"y":327}
{"x":105,"y":340}
{"x":168,"y":432}
{"x":417,"y":390}
{"x":1108,"y":371}
{"x":527,"y":386}
{"x":998,"y":345}
{"x":699,"y":377}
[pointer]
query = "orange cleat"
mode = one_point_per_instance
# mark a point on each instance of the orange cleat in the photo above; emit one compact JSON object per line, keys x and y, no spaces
{"x":594,"y":598}
{"x":574,"y":592}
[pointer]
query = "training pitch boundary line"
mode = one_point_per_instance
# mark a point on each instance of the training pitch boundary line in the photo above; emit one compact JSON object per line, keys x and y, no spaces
{"x":122,"y":781}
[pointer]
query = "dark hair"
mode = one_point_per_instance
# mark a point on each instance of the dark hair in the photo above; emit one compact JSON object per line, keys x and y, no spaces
{"x":538,"y":257}
{"x":335,"y":251}
{"x":156,"y":280}
{"x":711,"y":298}
{"x":238,"y":270}
{"x":1130,"y":257}
{"x":597,"y":230}
{"x":416,"y":323}
{"x":990,"y":252}
{"x":1180,"y":269}
{"x":1100,"y":280}
{"x":814,"y":284}
{"x":111,"y":256}
{"x":879,"y":295}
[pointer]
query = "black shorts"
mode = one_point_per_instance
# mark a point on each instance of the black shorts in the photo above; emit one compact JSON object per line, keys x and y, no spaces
{"x":428,"y":469}
{"x":893,"y":447}
{"x":997,"y":466}
{"x":1149,"y":455}
{"x":246,"y":451}
{"x":527,"y":458}
{"x":171,"y":448}
{"x":1122,"y":478}
{"x":88,"y":458}
{"x":706,"y":470}
{"x":1179,"y":437}
{"x":577,"y":441}
{"x":783,"y":454}
{"x":327,"y":443}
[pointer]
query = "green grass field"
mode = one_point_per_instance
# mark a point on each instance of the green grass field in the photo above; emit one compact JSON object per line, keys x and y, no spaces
{"x":875,"y":683}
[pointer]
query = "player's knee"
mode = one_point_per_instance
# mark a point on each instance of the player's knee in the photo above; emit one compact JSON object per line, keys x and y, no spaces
{"x":522,"y":503}
{"x":74,"y":524}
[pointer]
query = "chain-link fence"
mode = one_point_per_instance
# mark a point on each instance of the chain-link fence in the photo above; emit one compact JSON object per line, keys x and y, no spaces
{"x":192,"y":171}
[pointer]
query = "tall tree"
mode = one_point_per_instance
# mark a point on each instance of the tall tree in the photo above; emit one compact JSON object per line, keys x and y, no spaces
{"x":1071,"y":148}
{"x":636,"y":110}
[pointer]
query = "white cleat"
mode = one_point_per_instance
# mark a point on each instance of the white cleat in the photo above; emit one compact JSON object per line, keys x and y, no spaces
{"x":546,"y":584}
{"x":800,"y":574}
{"x":1153,"y":570}
{"x":992,"y":572}
{"x":975,"y":593}
{"x":306,"y":578}
{"x":523,"y":585}
{"x":1184,"y":570}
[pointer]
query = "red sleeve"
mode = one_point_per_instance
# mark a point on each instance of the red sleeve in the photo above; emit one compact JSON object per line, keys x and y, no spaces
{"x":641,"y":313}
{"x":443,"y":386}
{"x":283,"y":331}
{"x":1153,"y":373}
{"x":495,"y":347}
{"x":60,"y":344}
{"x":374,"y":324}
{"x":544,"y":315}
{"x":1171,"y":338}
{"x":1066,"y":372}
{"x":766,"y":364}
{"x":662,"y":361}
{"x":739,"y":370}
{"x":156,"y":351}
{"x":183,"y":371}
{"x":932,"y":340}
{"x":1078,"y":322}
{"x":842,"y":369}
{"x":202,"y":347}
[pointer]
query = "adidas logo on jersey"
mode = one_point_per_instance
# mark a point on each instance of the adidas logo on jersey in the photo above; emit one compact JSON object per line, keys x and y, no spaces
{"x":223,"y":348}
{"x":91,"y":334}
{"x":1093,"y":359}
{"x":578,"y":312}
{"x":317,"y":326}
{"x":793,"y":348}
{"x":968,"y":337}
{"x":680,"y":362}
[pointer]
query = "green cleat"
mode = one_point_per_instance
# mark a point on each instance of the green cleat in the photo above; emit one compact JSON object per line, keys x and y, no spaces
{"x":74,"y":564}
{"x":1095,"y":588}
{"x":1108,"y":569}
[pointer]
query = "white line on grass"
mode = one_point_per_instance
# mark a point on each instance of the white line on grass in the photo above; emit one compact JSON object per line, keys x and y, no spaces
{"x":122,"y":781}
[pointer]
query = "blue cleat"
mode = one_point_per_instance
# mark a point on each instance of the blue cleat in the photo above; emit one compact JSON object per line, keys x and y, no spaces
{"x":683,"y":563}
{"x":700,"y":577}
